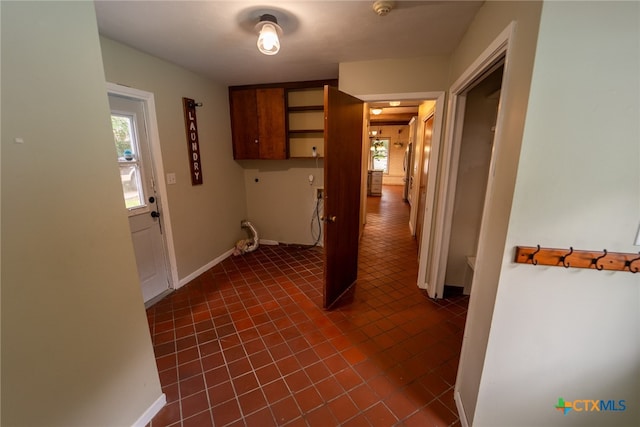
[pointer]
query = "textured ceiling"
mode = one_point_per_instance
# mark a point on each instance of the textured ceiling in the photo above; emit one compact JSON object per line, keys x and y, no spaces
{"x":217,"y":39}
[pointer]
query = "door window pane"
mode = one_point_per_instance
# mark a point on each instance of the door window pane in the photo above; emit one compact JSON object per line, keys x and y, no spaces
{"x":127,"y":149}
{"x":129,"y":175}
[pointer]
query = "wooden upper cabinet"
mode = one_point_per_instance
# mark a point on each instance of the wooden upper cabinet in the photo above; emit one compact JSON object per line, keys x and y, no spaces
{"x":258,"y":124}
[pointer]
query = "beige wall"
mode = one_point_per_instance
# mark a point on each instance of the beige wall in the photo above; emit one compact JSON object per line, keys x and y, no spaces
{"x":205,"y":218}
{"x":282,"y":202}
{"x":423,"y":74}
{"x":76,"y":349}
{"x":572,"y":333}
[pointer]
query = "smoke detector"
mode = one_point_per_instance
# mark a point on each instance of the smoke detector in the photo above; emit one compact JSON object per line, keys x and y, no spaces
{"x":383,"y":7}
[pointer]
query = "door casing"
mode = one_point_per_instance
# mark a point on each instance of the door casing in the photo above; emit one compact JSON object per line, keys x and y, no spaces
{"x":501,"y":47}
{"x":148,"y":99}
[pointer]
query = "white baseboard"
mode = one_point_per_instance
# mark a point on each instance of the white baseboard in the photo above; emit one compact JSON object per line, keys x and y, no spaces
{"x":151,"y":411}
{"x":204,"y":268}
{"x":461,"y":414}
{"x":269,"y":242}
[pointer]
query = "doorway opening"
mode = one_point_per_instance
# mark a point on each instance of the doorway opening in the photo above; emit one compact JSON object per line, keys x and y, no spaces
{"x":430,"y":105}
{"x":473,"y":163}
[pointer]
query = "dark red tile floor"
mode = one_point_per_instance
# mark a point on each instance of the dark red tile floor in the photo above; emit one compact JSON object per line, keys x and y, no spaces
{"x":248,"y":344}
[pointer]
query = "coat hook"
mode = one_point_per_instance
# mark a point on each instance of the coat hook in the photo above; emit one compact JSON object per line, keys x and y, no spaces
{"x":595,"y":261}
{"x":563,"y":258}
{"x":628,"y":265}
{"x":532,"y":256}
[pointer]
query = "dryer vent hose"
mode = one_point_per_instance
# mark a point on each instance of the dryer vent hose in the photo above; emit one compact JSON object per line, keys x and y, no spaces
{"x":247,"y":245}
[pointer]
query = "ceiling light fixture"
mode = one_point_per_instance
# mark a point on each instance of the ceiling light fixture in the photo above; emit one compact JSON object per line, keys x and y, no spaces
{"x":268,"y":29}
{"x":383,"y":7}
{"x":376,"y":111}
{"x":394,"y":103}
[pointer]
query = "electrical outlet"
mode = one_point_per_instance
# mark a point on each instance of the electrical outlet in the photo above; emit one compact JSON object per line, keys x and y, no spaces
{"x":319,"y":192}
{"x":171,"y":178}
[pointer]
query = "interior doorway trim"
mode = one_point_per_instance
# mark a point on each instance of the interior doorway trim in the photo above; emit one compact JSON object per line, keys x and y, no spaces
{"x":444,"y":208}
{"x":426,"y":238}
{"x":500,"y":48}
{"x":148,"y":99}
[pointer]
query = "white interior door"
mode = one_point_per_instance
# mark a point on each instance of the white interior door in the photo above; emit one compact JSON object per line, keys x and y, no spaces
{"x":140,"y":195}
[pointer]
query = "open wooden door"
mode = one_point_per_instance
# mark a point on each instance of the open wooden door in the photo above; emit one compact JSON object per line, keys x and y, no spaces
{"x":342,"y":175}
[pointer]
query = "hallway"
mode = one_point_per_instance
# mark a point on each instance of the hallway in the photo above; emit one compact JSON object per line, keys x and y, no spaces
{"x":248,"y":344}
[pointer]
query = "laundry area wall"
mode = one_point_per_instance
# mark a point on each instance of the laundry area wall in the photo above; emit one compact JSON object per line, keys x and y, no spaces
{"x":281,"y":198}
{"x":205,"y":218}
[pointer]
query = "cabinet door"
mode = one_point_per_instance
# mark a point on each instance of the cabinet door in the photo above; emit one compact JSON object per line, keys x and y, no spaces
{"x":244,"y":124}
{"x":258,"y":123}
{"x":271,"y":123}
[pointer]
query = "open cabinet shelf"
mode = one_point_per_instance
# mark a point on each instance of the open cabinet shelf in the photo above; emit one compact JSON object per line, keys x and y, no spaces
{"x":305,"y":114}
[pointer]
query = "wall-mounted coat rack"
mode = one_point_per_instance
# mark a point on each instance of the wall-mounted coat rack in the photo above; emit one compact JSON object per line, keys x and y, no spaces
{"x":570,"y":258}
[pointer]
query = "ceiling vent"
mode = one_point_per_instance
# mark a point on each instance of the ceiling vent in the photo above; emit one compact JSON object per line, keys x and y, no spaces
{"x":382,"y":7}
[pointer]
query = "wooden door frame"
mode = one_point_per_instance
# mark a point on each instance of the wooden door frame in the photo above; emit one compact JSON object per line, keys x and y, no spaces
{"x":148,"y":99}
{"x":430,"y":206}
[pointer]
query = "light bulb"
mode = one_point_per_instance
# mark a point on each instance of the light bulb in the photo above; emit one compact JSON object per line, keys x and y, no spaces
{"x":268,"y":42}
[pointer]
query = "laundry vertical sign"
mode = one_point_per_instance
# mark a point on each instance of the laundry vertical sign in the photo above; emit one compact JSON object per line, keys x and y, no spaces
{"x":195,"y":162}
